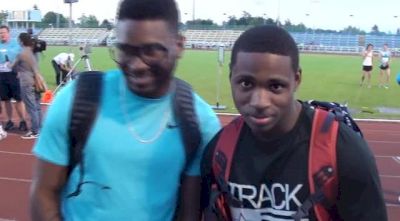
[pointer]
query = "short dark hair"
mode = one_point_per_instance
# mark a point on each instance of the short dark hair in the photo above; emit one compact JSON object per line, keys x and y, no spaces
{"x":6,"y":27}
{"x":267,"y":39}
{"x":150,"y":10}
{"x":25,"y":39}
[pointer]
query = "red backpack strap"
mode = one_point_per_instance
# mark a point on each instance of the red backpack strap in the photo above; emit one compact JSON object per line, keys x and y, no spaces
{"x":322,"y":168}
{"x":223,"y":152}
{"x":322,"y":160}
{"x":221,"y":167}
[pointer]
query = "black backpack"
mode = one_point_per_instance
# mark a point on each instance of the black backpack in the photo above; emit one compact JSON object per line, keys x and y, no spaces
{"x":322,"y":164}
{"x":84,"y":112}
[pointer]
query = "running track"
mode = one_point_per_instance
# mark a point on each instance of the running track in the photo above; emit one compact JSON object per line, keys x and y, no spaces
{"x":16,"y":164}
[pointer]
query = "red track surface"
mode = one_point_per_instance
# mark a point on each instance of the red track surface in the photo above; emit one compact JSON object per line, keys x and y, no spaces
{"x":16,"y":163}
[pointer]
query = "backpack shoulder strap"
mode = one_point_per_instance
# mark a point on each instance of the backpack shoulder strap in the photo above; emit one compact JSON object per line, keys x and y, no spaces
{"x":322,"y":166}
{"x":226,"y":145}
{"x":322,"y":159}
{"x":221,"y":166}
{"x":83,"y":114}
{"x":185,"y":113}
{"x":186,"y":118}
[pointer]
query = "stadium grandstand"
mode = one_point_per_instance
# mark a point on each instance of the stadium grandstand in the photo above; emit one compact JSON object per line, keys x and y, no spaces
{"x":22,"y":20}
{"x":202,"y":37}
{"x":60,"y":36}
{"x":210,"y":38}
{"x":309,"y":42}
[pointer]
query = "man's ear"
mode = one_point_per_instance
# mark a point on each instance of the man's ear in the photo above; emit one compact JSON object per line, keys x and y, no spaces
{"x":180,"y":42}
{"x":297,"y":78}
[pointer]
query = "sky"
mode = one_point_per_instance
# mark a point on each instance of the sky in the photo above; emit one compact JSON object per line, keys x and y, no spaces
{"x":327,"y":14}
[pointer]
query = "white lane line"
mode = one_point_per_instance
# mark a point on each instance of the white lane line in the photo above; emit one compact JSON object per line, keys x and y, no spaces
{"x":396,"y":159}
{"x":382,"y":141}
{"x":13,"y":135}
{"x":387,"y":132}
{"x":384,"y":156}
{"x":392,"y":205}
{"x":16,"y":179}
{"x":2,"y":219}
{"x":377,"y":120}
{"x":389,"y":176}
{"x":16,"y":153}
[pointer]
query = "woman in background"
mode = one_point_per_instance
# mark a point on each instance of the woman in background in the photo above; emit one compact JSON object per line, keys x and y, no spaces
{"x":27,"y":69}
{"x":368,"y":55}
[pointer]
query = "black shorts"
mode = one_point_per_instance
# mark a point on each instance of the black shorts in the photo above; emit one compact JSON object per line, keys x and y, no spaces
{"x":9,"y":86}
{"x":384,"y":67}
{"x":367,"y":68}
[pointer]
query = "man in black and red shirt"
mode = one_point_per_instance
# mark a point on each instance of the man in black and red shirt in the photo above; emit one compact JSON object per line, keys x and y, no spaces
{"x":269,"y":169}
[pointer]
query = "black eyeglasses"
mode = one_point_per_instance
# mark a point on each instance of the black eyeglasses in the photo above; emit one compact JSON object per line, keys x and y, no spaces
{"x":149,"y":53}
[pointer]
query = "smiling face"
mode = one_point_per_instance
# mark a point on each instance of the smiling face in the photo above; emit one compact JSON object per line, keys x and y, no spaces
{"x":4,"y":35}
{"x":263,"y":87}
{"x":147,"y":55}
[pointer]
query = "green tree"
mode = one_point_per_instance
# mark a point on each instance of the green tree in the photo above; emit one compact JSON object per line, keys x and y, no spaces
{"x":248,"y":20}
{"x":106,"y":24}
{"x":270,"y":21}
{"x":51,"y":18}
{"x":375,"y":29}
{"x":3,"y":17}
{"x":201,"y":22}
{"x":88,"y":21}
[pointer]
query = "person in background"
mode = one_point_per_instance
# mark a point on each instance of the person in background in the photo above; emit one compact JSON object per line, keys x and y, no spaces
{"x":384,"y":75}
{"x":33,"y":39}
{"x":62,"y":64}
{"x":27,"y":69}
{"x":368,"y":57}
{"x":9,"y":83}
{"x":135,"y":161}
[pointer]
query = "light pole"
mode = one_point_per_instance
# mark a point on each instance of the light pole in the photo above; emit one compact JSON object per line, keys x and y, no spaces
{"x":311,"y":26}
{"x":224,"y":23}
{"x":351,"y":23}
{"x":70,"y":20}
{"x":307,"y":15}
{"x":396,"y":26}
{"x":279,"y":13}
{"x":188,"y":22}
{"x":194,"y":10}
{"x":264,"y":19}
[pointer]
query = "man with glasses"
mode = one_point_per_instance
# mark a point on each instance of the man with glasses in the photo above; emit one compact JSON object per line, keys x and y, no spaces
{"x":134,"y":156}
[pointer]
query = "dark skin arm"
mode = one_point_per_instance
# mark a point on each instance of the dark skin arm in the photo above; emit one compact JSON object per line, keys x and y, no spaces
{"x":189,"y":203}
{"x":45,"y":191}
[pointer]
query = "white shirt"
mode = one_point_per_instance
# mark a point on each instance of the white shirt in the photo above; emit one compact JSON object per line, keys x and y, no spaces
{"x":62,"y":58}
{"x":368,"y":58}
{"x":385,"y":56}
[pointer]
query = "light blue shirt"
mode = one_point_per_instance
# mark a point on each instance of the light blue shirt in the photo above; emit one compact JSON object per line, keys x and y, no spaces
{"x":143,"y":177}
{"x":12,"y":48}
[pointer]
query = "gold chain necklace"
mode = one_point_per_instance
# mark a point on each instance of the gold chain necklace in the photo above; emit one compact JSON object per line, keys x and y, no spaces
{"x":132,"y":130}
